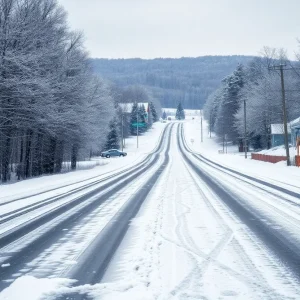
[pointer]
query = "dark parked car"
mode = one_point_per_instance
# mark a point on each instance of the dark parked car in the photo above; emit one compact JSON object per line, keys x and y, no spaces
{"x":113,"y":152}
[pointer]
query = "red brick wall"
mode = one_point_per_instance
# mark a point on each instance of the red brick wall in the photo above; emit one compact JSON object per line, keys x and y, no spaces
{"x":268,"y":158}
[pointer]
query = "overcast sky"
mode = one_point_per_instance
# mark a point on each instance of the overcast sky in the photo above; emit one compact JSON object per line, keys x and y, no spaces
{"x":176,"y":28}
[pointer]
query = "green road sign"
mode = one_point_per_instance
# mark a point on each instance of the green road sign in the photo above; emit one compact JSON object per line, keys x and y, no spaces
{"x":138,"y":124}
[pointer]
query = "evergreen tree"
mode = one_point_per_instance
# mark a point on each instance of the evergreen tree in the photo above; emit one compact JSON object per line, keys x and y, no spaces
{"x":150,"y":117}
{"x":113,"y":139}
{"x":153,"y":112}
{"x":142,"y":118}
{"x":164,"y":115}
{"x":180,"y":115}
{"x":229,"y":106}
{"x":133,"y":119}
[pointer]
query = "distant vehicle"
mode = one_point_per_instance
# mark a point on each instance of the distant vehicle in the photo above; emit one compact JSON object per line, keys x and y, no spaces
{"x":112,"y":152}
{"x":164,"y":121}
{"x":169,"y":118}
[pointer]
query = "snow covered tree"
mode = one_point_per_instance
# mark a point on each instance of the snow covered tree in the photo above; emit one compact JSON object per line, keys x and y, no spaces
{"x":164,"y":116}
{"x":149,"y":116}
{"x":230,"y":104}
{"x":52,"y":106}
{"x":113,"y":138}
{"x":260,"y":88}
{"x":142,"y":118}
{"x":180,"y":115}
{"x":134,"y":118}
{"x":153,"y":112}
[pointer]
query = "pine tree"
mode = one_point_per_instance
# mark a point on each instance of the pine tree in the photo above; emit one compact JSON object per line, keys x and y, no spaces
{"x":133,"y":119}
{"x":164,"y":115}
{"x":142,"y":119}
{"x":229,"y":105}
{"x":153,"y":112}
{"x":150,"y":117}
{"x":180,"y":115}
{"x":113,"y":139}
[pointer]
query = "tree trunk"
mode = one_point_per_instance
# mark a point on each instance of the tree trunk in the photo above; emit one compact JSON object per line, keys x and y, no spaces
{"x":28,"y":153}
{"x":59,"y":156}
{"x":6,"y":154}
{"x":20,"y":163}
{"x":49,"y":157}
{"x":74,"y":156}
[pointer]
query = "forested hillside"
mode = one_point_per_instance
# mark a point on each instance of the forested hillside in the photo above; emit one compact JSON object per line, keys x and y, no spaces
{"x":189,"y":80}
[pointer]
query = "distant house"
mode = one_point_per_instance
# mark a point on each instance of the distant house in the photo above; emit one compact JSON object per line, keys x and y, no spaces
{"x":277,"y":134}
{"x":295,"y":130}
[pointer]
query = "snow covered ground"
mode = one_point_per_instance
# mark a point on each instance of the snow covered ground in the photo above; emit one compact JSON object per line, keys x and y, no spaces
{"x":32,"y":186}
{"x":279,"y":151}
{"x":185,"y":243}
{"x":62,"y":255}
{"x":279,"y":174}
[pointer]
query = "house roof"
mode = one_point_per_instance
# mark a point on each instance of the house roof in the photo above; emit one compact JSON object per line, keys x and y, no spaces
{"x":127,"y":107}
{"x":279,"y":129}
{"x":295,"y":122}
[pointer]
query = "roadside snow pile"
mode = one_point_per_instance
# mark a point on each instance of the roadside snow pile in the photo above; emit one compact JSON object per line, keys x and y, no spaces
{"x":31,"y":288}
{"x":84,"y":165}
{"x":278,"y":151}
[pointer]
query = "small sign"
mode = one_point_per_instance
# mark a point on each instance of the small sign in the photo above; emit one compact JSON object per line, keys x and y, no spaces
{"x":138,"y":124}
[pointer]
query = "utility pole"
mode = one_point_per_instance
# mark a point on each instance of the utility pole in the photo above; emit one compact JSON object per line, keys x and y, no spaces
{"x":286,"y":137}
{"x":245,"y":129}
{"x":201,"y":127}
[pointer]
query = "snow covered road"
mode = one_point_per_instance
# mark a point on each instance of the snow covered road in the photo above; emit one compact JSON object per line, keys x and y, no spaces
{"x":48,"y":240}
{"x":201,"y":232}
{"x":188,"y":243}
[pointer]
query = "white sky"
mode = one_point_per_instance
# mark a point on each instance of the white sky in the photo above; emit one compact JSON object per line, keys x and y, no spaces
{"x":176,"y":28}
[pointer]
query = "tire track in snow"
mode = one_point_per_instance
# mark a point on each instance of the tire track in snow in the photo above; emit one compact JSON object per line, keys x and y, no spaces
{"x":200,"y":268}
{"x":288,"y":277}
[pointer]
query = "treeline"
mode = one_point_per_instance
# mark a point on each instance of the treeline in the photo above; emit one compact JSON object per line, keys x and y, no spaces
{"x":258,"y":86}
{"x":186,"y":80}
{"x":52,"y":105}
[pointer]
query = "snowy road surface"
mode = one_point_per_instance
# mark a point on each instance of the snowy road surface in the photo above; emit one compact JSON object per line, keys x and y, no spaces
{"x":176,"y":226}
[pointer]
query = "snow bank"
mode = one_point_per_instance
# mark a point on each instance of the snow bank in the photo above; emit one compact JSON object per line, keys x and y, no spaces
{"x":84,"y":165}
{"x":279,"y":151}
{"x":31,"y":288}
